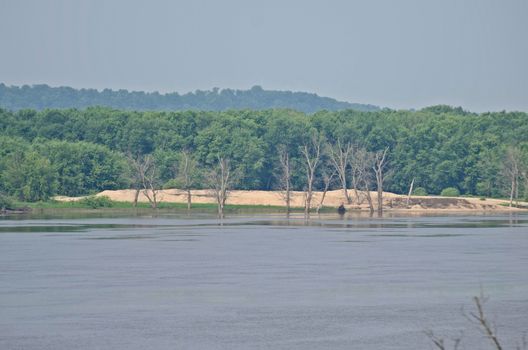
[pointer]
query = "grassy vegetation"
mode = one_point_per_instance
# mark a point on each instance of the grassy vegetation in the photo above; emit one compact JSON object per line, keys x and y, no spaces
{"x":450,"y":192}
{"x":198,"y":207}
{"x":6,"y":203}
{"x":514,"y":205}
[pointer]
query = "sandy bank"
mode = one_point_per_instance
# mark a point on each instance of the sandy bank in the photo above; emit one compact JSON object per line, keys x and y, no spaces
{"x":332,"y":199}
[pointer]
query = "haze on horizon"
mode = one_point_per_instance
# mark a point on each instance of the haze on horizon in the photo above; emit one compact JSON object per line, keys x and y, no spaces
{"x":404,"y":54}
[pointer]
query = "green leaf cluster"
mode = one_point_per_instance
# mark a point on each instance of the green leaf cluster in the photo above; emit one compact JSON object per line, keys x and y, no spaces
{"x":78,"y":152}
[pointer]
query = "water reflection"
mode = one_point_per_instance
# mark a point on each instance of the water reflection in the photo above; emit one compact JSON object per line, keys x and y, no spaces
{"x":78,"y":222}
{"x":254,"y":281}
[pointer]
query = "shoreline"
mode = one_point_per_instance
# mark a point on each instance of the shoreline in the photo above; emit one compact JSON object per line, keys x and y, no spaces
{"x":273,"y":200}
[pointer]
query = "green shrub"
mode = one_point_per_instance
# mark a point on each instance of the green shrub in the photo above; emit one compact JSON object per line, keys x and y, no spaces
{"x":419,"y":191}
{"x":172,"y":183}
{"x":484,"y":188}
{"x":450,"y":192}
{"x":6,"y":203}
{"x":29,"y":177}
{"x":97,"y":202}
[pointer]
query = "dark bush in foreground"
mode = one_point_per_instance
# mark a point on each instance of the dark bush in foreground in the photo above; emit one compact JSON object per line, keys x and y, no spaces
{"x":97,"y":202}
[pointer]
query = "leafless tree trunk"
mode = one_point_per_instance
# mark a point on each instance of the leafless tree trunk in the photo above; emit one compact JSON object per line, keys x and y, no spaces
{"x":186,"y":174}
{"x":512,"y":171}
{"x":361,"y":165}
{"x":340,"y":157}
{"x":312,"y":155}
{"x":136,"y":197}
{"x":145,"y":178}
{"x":149,"y":178}
{"x":285,"y":176}
{"x":327,"y":179}
{"x":380,"y":158}
{"x":134,"y":164}
{"x":221,"y":181}
{"x":517,"y":194}
{"x":410,"y":192}
{"x":367,"y":193}
{"x":525,"y":176}
{"x":355,"y":184}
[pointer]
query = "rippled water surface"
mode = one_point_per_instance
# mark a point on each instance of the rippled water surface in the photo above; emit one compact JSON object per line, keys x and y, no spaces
{"x":258,"y":282}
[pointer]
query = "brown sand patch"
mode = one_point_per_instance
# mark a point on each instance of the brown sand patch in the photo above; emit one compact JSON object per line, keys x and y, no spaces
{"x":333,"y":199}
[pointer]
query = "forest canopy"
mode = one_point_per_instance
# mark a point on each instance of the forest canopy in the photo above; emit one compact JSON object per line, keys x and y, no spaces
{"x":78,"y":152}
{"x":43,"y":96}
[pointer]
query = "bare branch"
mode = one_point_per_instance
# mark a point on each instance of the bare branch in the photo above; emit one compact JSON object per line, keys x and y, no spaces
{"x":441,"y":343}
{"x":328,"y":178}
{"x":379,"y":166}
{"x":511,"y":170}
{"x":438,"y":342}
{"x":479,"y":319}
{"x":361,"y":176}
{"x":186,"y":172}
{"x":311,"y":151}
{"x":340,"y":155}
{"x":285,"y":175}
{"x":145,"y":177}
{"x":221,"y":180}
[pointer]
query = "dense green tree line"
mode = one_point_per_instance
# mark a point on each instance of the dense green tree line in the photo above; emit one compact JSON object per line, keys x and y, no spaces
{"x":43,"y":96}
{"x":76,"y":152}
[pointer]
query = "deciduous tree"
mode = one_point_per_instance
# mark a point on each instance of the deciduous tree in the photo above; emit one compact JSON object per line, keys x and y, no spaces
{"x":221,"y":180}
{"x":187,"y":174}
{"x":380,"y":162}
{"x":340,"y":154}
{"x":311,"y":151}
{"x":285,"y":174}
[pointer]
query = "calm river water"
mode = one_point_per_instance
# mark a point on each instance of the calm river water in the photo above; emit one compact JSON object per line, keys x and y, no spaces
{"x":258,"y":282}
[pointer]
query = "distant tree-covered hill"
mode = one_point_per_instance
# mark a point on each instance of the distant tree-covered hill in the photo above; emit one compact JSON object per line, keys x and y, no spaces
{"x":43,"y":96}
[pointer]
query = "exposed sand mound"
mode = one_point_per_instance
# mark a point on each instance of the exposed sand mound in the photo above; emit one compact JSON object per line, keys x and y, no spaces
{"x":332,"y":199}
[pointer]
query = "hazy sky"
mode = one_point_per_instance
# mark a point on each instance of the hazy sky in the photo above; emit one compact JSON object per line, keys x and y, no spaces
{"x":394,"y":53}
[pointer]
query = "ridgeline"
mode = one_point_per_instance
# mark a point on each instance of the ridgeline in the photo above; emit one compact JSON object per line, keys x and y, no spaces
{"x":41,"y":97}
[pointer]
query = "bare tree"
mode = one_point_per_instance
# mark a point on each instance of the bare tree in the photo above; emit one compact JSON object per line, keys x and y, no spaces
{"x":358,"y":167}
{"x":410,"y":192}
{"x":366,"y":190}
{"x":525,"y":176}
{"x":187,"y":174}
{"x":328,"y":179}
{"x":311,"y":151}
{"x":221,"y":181}
{"x":511,"y":169}
{"x":361,"y":165}
{"x":284,"y":177}
{"x":440,"y":342}
{"x":340,"y":155}
{"x":135,"y":164}
{"x":150,"y":179}
{"x":145,"y":177}
{"x":380,"y":161}
{"x":481,"y":321}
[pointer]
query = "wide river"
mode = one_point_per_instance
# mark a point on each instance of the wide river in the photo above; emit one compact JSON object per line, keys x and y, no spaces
{"x":259,"y":281}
